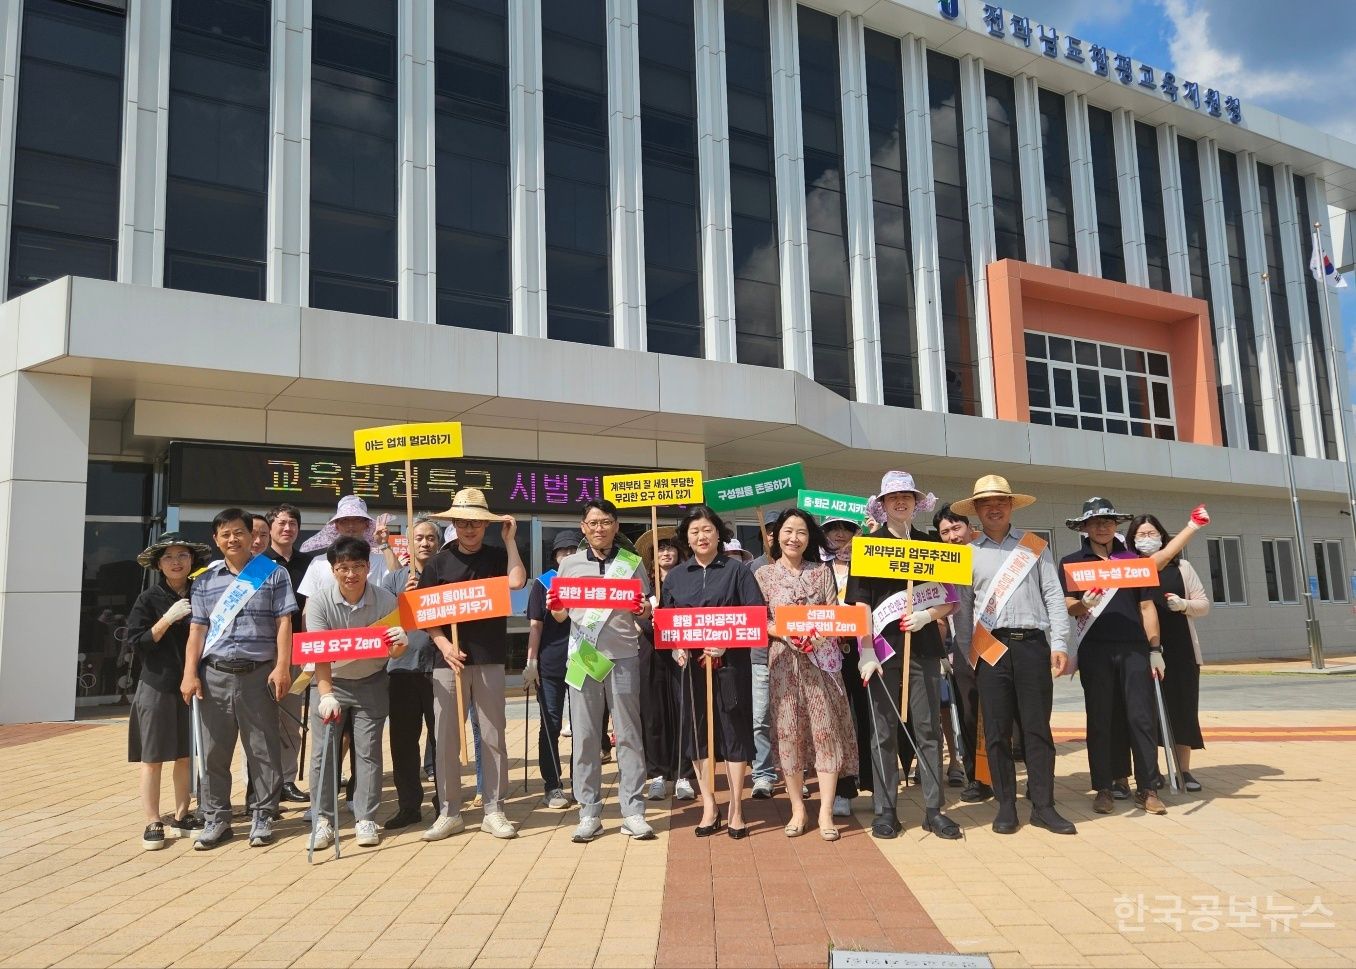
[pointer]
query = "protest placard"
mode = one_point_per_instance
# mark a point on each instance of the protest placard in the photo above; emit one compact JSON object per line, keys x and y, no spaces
{"x":794,"y":620}
{"x":653,"y":488}
{"x":584,"y":592}
{"x":755,"y":489}
{"x":905,"y":559}
{"x":340,"y":645}
{"x":832,"y":505}
{"x":1111,"y":574}
{"x":731,"y":627}
{"x":443,"y":605}
{"x":407,"y":442}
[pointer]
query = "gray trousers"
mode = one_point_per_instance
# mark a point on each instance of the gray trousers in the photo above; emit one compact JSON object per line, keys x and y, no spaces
{"x":588,"y":709}
{"x":370,"y":701}
{"x":238,"y":705}
{"x":924,"y":676}
{"x":483,"y":685}
{"x":289,"y":734}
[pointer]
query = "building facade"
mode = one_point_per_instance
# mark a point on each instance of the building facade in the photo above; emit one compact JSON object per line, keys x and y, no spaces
{"x":618,"y":234}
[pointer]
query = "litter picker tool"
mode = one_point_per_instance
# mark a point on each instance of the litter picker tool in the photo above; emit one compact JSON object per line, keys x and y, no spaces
{"x":316,"y":809}
{"x":1170,"y":750}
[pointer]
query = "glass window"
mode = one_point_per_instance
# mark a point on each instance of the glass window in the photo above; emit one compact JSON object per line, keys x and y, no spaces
{"x":1317,"y":336}
{"x":825,"y":202}
{"x":1151,"y":199}
{"x":575,"y":157}
{"x":471,"y":119}
{"x":1058,"y":182}
{"x":1242,"y":297}
{"x":1278,"y":563}
{"x":1005,"y":167}
{"x":1332,"y":572}
{"x":1106,"y":192}
{"x":67,"y":144}
{"x":1226,"y":571}
{"x":353,"y":156}
{"x":216,"y":211}
{"x":1084,"y":383}
{"x":1280,"y":307}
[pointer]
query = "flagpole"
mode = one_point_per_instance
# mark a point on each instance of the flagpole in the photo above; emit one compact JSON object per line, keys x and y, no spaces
{"x":1311,"y":627}
{"x":1335,"y":377}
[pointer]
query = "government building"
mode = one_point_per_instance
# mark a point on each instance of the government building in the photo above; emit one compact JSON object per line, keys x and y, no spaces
{"x":612,"y":235}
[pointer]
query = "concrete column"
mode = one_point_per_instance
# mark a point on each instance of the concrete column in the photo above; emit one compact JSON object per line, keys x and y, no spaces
{"x":628,"y":209}
{"x":927,"y":297}
{"x":1174,"y":210}
{"x":713,"y":168}
{"x":979,"y":198}
{"x":10,"y":25}
{"x":861,"y":232}
{"x":1132,"y":207}
{"x":1255,"y":240}
{"x":1295,"y":265}
{"x":145,"y":145}
{"x":1221,"y":294}
{"x":527,"y":235}
{"x":416,"y":250}
{"x":1080,"y":176}
{"x":788,"y":145}
{"x":44,"y":461}
{"x":1035,"y":221}
{"x":1339,"y":391}
{"x":289,"y":162}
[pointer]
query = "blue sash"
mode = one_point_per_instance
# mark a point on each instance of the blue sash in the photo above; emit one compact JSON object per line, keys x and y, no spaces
{"x":250,"y":580}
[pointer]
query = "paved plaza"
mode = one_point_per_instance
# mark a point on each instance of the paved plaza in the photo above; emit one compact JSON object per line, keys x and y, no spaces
{"x":1257,"y":870}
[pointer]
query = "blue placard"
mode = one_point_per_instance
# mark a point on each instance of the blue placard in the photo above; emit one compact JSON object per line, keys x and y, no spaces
{"x":1313,"y":586}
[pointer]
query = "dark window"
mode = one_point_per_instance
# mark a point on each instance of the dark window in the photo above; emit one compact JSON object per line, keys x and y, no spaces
{"x":1058,"y":182}
{"x":473,"y":192}
{"x":1243,"y":322}
{"x":1151,"y":199}
{"x":1193,"y":206}
{"x":216,"y":212}
{"x":1107,"y":193}
{"x":1004,"y":167}
{"x":1280,"y":308}
{"x":753,"y":184}
{"x":825,"y":201}
{"x":668,"y":153}
{"x":1317,"y":335}
{"x":353,"y":156}
{"x":578,"y":216}
{"x":67,"y":144}
{"x":894,"y":246}
{"x":953,"y":234}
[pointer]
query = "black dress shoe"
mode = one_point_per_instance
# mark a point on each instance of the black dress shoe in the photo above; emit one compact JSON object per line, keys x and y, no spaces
{"x":737,"y":834}
{"x":885,"y":828}
{"x":403,"y":819}
{"x":1050,"y":820}
{"x":706,"y":830}
{"x":942,"y":826}
{"x":290,"y":792}
{"x":975,"y":792}
{"x":1006,"y":820}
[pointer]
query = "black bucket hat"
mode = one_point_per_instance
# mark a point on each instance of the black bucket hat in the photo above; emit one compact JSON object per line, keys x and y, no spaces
{"x":1094,"y":508}
{"x":150,"y":557}
{"x":570,"y":538}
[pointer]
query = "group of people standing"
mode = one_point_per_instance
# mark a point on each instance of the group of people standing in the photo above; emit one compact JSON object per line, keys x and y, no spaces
{"x":215,"y":643}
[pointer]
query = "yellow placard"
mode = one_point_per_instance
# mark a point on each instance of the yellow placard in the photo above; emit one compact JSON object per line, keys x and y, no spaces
{"x":894,"y":558}
{"x":407,"y":442}
{"x":653,"y":488}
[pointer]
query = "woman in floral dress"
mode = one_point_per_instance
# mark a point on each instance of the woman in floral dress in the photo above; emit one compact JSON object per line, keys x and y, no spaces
{"x":811,"y":724}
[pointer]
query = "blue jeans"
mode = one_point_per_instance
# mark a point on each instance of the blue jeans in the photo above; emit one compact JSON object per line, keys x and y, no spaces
{"x":763,"y":767}
{"x":551,"y":695}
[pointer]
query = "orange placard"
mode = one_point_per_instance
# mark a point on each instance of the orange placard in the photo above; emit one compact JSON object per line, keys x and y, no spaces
{"x":400,"y":544}
{"x":1111,"y":574}
{"x":441,"y":605}
{"x":821,"y":621}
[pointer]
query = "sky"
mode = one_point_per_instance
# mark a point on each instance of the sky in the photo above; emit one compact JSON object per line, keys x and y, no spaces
{"x":1295,"y":57}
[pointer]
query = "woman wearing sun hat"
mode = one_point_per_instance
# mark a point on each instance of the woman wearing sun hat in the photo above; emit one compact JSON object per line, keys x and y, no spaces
{"x":159,"y":728}
{"x":350,"y":520}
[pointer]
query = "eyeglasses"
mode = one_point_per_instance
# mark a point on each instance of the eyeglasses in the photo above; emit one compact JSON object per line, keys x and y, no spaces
{"x":355,"y":568}
{"x":462,"y":525}
{"x":595,"y":523}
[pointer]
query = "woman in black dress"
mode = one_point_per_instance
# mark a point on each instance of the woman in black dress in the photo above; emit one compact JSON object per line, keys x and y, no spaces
{"x":707,"y":577}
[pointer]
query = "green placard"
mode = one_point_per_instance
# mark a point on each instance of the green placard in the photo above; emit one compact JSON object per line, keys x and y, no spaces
{"x":831,"y":504}
{"x":756,"y":488}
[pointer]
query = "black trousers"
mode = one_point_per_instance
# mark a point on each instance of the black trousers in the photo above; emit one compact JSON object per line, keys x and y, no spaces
{"x":1112,"y":672}
{"x":967,"y":706}
{"x":850,"y":784}
{"x":411,"y":708}
{"x":1019,"y":688}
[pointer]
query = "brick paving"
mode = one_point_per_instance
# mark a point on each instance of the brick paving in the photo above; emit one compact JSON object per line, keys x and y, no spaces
{"x":1273,"y":834}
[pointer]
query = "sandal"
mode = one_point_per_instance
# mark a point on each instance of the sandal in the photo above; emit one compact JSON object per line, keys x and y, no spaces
{"x":794,"y":830}
{"x":829,"y":834}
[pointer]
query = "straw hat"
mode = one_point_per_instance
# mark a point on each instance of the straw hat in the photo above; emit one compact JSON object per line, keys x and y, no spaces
{"x":468,"y":504}
{"x":645,"y":545}
{"x":150,"y":558}
{"x":991,"y":486}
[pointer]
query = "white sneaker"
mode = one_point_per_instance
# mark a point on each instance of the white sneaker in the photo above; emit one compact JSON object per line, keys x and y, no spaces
{"x":324,"y":833}
{"x":368,"y":836}
{"x":589,"y":828}
{"x":762,"y":788}
{"x":556,"y":800}
{"x":444,"y":826}
{"x":842,"y":807}
{"x":657,"y":790}
{"x":682,"y":790}
{"x":498,"y":825}
{"x":637,"y":827}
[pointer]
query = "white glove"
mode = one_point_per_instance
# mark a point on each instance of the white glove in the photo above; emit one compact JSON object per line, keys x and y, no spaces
{"x":530,"y":676}
{"x":1092,"y":597}
{"x":180,"y":610}
{"x":867,"y":663}
{"x":329,"y":708}
{"x":1175,"y":603}
{"x":396,"y":638}
{"x":916,"y":620}
{"x":1157,"y":667}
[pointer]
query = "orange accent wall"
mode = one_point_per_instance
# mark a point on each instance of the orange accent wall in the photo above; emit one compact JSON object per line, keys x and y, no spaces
{"x":1025,"y":297}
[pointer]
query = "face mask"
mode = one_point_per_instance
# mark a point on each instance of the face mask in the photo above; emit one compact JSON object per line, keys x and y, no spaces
{"x":1148,"y":546}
